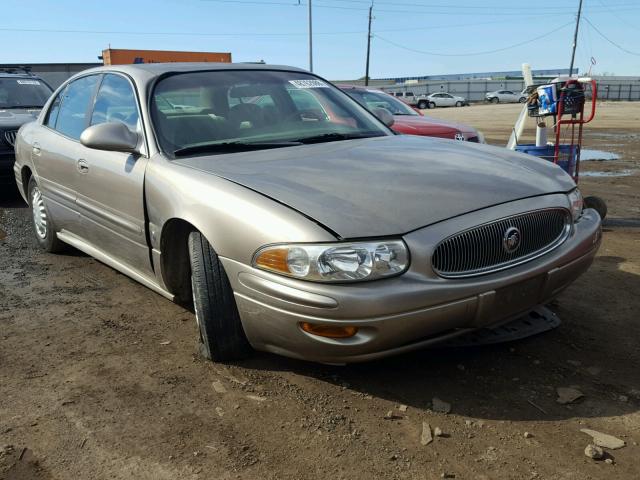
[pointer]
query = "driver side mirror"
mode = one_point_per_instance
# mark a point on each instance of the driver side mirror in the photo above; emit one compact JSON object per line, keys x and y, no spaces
{"x":113,"y":136}
{"x":384,"y":116}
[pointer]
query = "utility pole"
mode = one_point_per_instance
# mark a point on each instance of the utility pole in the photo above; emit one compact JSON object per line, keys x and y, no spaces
{"x":366,"y":74}
{"x":575,"y":38}
{"x":311,"y":38}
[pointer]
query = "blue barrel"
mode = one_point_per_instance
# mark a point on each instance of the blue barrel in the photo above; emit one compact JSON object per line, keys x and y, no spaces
{"x":567,"y":155}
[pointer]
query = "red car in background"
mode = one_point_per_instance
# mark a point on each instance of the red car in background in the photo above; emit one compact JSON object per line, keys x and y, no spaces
{"x":408,"y":120}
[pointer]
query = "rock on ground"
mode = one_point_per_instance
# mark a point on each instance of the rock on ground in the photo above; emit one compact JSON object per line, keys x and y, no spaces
{"x":604,"y":440}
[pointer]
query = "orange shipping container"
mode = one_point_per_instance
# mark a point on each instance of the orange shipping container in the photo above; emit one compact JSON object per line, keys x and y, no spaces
{"x":113,"y":56}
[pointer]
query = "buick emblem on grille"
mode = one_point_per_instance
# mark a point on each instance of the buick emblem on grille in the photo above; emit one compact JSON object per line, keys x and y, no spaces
{"x":511,"y":239}
{"x":459,"y":136}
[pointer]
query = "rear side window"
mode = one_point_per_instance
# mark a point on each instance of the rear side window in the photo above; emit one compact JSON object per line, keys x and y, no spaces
{"x":72,"y":116}
{"x":115,"y":102}
{"x":54,"y":109}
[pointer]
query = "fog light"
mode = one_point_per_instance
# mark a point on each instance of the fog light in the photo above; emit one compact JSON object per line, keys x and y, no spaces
{"x":330,"y":331}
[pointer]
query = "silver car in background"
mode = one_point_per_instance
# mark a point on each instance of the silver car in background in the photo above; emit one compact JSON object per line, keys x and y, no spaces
{"x":443,"y":99}
{"x":296,"y":225}
{"x":505,"y":96}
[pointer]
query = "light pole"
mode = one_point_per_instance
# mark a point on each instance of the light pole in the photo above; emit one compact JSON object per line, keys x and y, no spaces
{"x":366,"y":73}
{"x":310,"y":38}
{"x":575,"y":39}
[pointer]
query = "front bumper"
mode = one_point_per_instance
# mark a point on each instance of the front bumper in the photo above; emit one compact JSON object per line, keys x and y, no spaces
{"x":403,"y":313}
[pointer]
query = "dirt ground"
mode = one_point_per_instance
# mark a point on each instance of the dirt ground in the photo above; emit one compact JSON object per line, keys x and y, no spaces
{"x":99,"y":378}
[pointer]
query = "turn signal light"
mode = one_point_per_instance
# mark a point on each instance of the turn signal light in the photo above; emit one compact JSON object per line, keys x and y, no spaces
{"x":329,"y":331}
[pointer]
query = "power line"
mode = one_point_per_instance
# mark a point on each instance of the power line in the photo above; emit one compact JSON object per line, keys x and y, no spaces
{"x":622,"y":19}
{"x":467,"y":7}
{"x":452,"y":12}
{"x":474,"y":53}
{"x":618,"y":46}
{"x":184,"y":34}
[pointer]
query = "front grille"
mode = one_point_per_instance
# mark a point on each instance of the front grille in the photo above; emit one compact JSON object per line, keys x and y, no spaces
{"x":501,"y":244}
{"x":473,"y":139}
{"x":10,"y":137}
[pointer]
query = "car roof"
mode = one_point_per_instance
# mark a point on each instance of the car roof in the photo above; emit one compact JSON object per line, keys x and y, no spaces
{"x":144,"y":73}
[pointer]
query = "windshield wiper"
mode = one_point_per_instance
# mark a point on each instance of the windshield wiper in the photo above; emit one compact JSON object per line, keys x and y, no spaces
{"x":335,"y":136}
{"x":227,"y":147}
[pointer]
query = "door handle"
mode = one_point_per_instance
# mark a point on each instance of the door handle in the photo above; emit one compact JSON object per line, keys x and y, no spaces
{"x":83,"y":166}
{"x":35,"y":149}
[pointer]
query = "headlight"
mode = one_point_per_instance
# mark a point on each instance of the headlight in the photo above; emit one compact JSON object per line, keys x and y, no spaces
{"x":576,"y":204}
{"x":481,"y":137}
{"x":335,"y":262}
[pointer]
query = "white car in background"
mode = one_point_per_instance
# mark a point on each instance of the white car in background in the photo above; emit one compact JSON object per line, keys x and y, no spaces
{"x":442,"y":99}
{"x":505,"y":96}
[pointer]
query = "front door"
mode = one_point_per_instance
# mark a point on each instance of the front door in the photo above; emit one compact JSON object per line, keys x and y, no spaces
{"x":110,"y":193}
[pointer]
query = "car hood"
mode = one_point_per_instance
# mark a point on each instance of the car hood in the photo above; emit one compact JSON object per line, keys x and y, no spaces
{"x":15,"y":117}
{"x":417,"y":125}
{"x":458,"y":126}
{"x":388,"y":185}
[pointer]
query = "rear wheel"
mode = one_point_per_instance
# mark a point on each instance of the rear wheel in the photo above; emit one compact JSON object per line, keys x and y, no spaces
{"x":597,"y":204}
{"x":41,"y":220}
{"x":422,"y":104}
{"x":221,"y":335}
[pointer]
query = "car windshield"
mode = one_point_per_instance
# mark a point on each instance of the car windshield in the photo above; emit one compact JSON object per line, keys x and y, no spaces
{"x":226,"y":111}
{"x":372,"y":99}
{"x":22,"y":92}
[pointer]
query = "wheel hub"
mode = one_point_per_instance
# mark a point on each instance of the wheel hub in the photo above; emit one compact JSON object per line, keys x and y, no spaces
{"x":40,"y":220}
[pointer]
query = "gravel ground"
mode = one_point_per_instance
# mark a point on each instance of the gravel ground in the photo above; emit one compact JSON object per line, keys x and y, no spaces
{"x":99,"y":377}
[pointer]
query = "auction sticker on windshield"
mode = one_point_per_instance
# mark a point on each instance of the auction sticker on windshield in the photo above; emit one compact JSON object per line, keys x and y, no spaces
{"x":308,"y":84}
{"x":28,"y":82}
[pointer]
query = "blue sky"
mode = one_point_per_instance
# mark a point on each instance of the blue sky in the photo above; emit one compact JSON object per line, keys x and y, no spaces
{"x":406,"y":33}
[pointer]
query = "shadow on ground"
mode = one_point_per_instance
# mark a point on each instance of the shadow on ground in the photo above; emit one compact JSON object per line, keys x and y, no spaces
{"x":516,"y":381}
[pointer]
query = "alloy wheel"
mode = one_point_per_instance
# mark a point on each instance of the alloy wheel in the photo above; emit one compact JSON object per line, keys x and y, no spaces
{"x":40,"y":219}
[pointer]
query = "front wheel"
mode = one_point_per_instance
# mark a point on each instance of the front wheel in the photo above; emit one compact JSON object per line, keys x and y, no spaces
{"x":432,"y":105}
{"x":422,"y":104}
{"x":41,"y":220}
{"x":597,"y":204}
{"x":522,"y":99}
{"x":495,"y":100}
{"x":458,"y":104}
{"x":222,"y":337}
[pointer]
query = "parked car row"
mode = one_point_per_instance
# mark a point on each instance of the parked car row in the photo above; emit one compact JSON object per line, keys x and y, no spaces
{"x":410,"y":120}
{"x":289,"y":217}
{"x":445,"y":99}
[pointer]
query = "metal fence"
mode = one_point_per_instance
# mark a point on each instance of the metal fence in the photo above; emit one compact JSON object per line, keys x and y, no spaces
{"x":474,"y":90}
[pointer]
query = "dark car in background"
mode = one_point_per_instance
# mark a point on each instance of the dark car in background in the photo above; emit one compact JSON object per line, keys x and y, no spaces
{"x":408,"y":120}
{"x":22,"y":96}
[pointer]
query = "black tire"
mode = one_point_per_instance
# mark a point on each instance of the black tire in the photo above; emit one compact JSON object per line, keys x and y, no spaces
{"x":44,"y":230}
{"x":423,"y":104}
{"x":432,"y":105}
{"x":522,"y":99}
{"x":459,"y":104}
{"x":495,"y":100}
{"x":221,"y":335}
{"x":597,"y":204}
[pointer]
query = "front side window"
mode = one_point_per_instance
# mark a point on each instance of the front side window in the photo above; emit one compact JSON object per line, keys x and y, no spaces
{"x":23,"y":92}
{"x":115,"y":102}
{"x":72,"y":117}
{"x":226,"y":110}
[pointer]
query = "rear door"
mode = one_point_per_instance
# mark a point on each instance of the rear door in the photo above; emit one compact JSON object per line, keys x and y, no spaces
{"x":111,"y":185}
{"x":55,"y":146}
